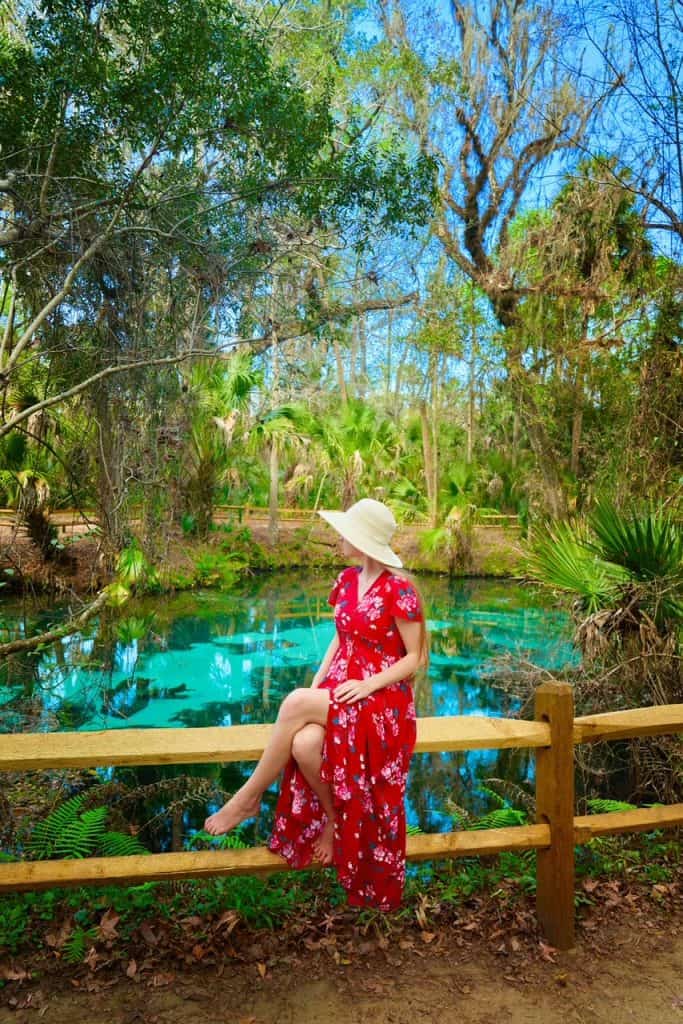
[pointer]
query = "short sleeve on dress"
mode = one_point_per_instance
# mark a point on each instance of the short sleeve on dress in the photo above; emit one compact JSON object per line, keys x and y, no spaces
{"x":334,"y":593}
{"x":404,"y":602}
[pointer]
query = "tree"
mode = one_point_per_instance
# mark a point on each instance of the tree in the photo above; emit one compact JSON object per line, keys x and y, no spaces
{"x":590,"y":252}
{"x":639,"y":46}
{"x":147,"y":150}
{"x":122,"y":159}
{"x":482,"y":92}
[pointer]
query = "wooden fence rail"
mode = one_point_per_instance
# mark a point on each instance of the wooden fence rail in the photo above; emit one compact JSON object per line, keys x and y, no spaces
{"x":555,"y":834}
{"x":66,"y":520}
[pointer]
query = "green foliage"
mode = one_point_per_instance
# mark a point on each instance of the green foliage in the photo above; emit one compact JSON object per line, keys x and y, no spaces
{"x":502,"y":817}
{"x":188,"y":524}
{"x":648,"y":547}
{"x":133,"y":570}
{"x":561,"y":558}
{"x":614,"y":557}
{"x":217,"y":569}
{"x":230,"y":841}
{"x":78,"y":943}
{"x":70,"y":832}
{"x":602,"y":806}
{"x":134,"y":628}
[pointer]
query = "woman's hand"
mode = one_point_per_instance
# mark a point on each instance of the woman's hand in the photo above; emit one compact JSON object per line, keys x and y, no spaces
{"x":353,"y":690}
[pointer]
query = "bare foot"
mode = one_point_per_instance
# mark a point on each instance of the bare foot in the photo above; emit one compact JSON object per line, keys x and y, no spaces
{"x":323,"y":846}
{"x":236,"y":810}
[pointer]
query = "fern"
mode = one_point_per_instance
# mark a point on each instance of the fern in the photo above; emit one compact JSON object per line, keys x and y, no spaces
{"x":599,"y":806}
{"x":77,"y":944}
{"x":72,"y":833}
{"x":502,"y":817}
{"x":232,"y":841}
{"x":47,"y":832}
{"x":81,"y":838}
{"x":117,"y":844}
{"x":494,"y":797}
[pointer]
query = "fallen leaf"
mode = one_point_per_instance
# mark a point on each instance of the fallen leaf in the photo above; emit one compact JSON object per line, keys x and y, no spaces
{"x":148,"y":935}
{"x":229,"y":918}
{"x":161,"y":979}
{"x":132,"y":969}
{"x":262,"y":969}
{"x":192,"y":922}
{"x":13,"y":973}
{"x":428,"y":936}
{"x":108,"y":924}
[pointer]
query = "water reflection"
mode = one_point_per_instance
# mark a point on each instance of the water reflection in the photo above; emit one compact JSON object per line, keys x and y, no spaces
{"x":207,"y":658}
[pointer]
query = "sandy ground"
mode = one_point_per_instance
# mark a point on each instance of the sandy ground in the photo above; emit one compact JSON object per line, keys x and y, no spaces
{"x":632,"y":973}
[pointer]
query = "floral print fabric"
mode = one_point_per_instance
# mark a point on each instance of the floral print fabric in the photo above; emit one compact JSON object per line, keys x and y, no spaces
{"x":366,"y":752}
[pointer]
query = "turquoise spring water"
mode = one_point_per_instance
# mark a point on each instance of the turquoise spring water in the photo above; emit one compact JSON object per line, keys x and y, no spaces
{"x":208,"y":658}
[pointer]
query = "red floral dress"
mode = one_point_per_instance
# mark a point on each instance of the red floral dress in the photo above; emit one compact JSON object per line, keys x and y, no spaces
{"x":366,"y":752}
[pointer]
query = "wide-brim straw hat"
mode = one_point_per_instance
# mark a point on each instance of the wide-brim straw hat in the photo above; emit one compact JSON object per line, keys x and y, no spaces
{"x":369,"y":526}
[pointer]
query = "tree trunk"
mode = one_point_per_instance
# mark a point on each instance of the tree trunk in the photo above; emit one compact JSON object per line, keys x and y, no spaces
{"x":353,"y":358}
{"x":362,"y":340}
{"x":434,"y":511}
{"x":554,"y":495}
{"x":471,"y":398}
{"x":577,"y":419}
{"x":516,"y":434}
{"x":428,"y":455}
{"x":341,"y":378}
{"x":274,"y":462}
{"x":273,"y":494}
{"x":110,"y":489}
{"x":387,"y":377}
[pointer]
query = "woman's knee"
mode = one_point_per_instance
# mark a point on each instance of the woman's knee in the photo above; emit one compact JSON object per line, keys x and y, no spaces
{"x":294,"y":703}
{"x":307,"y":744}
{"x":303,"y":702}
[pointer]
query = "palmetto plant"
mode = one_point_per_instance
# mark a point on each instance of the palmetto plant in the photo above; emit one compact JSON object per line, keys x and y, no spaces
{"x":358,"y":447}
{"x":626,"y":573}
{"x":218,"y":391}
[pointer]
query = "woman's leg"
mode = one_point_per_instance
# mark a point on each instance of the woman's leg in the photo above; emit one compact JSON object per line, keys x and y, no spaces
{"x":307,"y":748}
{"x":298,"y":709}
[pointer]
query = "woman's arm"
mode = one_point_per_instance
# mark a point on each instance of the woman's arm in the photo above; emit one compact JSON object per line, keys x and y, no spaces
{"x":356,"y":689}
{"x":325,"y":664}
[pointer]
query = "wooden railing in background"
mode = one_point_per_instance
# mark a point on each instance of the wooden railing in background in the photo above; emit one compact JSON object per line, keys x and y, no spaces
{"x":69,"y":521}
{"x":554,"y":835}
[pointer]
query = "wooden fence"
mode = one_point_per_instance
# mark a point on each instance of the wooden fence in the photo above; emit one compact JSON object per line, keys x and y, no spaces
{"x":557,"y":830}
{"x":68,"y":521}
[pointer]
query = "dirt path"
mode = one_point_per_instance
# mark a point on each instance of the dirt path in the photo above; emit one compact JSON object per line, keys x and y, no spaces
{"x":631,"y":973}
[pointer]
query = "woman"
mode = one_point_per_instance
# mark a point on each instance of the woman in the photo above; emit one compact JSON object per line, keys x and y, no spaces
{"x":346,"y":742}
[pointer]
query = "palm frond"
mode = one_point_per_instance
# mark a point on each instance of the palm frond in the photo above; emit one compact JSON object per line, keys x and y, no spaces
{"x":649,"y":547}
{"x":561,"y":558}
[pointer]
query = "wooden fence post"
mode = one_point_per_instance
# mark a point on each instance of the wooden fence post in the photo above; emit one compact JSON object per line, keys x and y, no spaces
{"x":555,"y":806}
